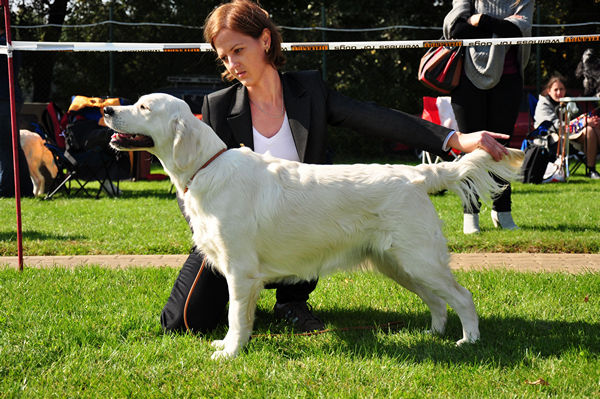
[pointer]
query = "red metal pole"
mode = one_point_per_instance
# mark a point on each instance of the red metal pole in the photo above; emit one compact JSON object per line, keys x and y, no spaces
{"x":13,"y":119}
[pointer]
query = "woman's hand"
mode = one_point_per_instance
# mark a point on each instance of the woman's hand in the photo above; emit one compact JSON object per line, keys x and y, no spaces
{"x":593,"y":121}
{"x":474,"y":19}
{"x":485,"y":140}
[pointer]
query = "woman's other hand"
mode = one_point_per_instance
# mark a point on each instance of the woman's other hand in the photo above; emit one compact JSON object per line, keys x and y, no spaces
{"x":487,"y":141}
{"x":474,"y":19}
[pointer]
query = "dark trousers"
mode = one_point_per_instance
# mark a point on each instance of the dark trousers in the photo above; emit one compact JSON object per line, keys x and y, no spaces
{"x":7,"y":180}
{"x":494,"y":110}
{"x":207,"y":304}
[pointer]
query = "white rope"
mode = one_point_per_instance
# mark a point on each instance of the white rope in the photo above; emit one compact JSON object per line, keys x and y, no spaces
{"x":107,"y":22}
{"x":300,"y":46}
{"x":294,"y":28}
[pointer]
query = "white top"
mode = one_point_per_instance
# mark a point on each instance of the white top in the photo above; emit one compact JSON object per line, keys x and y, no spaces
{"x":281,"y":145}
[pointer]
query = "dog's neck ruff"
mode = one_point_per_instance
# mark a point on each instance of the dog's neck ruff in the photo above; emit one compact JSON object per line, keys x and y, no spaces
{"x":202,"y":167}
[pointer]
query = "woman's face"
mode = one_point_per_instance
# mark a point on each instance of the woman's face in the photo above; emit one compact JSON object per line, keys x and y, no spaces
{"x":557,"y":91}
{"x":243,"y":56}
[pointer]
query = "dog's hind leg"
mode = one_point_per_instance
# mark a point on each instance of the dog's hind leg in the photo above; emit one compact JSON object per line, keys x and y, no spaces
{"x":461,"y":300}
{"x":243,"y":295}
{"x":437,"y":306}
{"x":431,"y":279}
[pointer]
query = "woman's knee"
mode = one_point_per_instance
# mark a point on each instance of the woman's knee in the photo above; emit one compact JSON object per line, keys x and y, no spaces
{"x":173,"y":320}
{"x":198,"y":298}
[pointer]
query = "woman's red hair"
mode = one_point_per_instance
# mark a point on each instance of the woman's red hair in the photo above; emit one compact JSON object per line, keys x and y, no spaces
{"x":248,"y":18}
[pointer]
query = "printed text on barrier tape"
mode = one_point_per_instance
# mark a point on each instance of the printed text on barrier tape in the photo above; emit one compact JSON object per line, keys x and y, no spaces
{"x":317,"y":46}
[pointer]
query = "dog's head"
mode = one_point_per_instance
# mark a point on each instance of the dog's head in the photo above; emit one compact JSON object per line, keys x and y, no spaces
{"x":162,"y":125}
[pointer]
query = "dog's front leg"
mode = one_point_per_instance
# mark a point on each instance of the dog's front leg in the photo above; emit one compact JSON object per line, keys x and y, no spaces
{"x":243,"y":295}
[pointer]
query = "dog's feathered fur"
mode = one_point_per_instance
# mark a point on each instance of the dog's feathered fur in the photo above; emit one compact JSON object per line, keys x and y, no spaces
{"x":260,"y":219}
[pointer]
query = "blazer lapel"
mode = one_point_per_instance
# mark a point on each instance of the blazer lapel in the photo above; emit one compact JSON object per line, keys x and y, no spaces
{"x":240,"y":119}
{"x":297,"y":105}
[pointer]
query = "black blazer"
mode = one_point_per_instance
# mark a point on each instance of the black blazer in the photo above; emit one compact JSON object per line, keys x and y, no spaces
{"x":311,"y":106}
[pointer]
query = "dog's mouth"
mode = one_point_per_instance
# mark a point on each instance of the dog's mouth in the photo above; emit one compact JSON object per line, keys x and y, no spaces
{"x":127,"y":140}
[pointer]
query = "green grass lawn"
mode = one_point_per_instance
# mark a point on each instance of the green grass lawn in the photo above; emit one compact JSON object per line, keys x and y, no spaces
{"x":94,"y":332}
{"x":562,"y":217}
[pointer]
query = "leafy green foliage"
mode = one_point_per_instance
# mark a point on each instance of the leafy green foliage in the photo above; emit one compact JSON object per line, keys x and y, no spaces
{"x":387,"y":77}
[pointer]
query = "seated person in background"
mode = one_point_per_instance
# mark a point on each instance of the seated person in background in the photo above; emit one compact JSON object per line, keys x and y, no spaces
{"x":588,"y":135}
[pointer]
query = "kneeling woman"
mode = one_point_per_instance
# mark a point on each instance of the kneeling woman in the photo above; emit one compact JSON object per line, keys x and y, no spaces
{"x":285,"y":115}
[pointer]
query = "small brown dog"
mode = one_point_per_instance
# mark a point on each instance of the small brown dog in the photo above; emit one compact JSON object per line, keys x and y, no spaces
{"x":41,"y":164}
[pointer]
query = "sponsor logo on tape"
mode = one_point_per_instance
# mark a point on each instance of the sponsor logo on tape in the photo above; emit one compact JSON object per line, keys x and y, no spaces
{"x":309,"y":47}
{"x":444,"y":43}
{"x":577,"y":39}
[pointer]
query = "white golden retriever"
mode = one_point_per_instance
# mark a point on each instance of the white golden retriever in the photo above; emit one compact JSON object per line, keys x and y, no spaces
{"x":260,"y":219}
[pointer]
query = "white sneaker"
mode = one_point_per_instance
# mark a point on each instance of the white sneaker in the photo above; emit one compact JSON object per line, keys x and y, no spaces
{"x":504,"y":220}
{"x":470,"y":223}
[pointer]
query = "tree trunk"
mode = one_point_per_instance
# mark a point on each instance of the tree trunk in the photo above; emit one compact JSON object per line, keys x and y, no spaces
{"x":43,"y":71}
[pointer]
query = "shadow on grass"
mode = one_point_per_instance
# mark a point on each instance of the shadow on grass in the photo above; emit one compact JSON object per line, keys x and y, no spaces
{"x":160,"y":194}
{"x":582,"y":186}
{"x":38,"y":235}
{"x":125,"y":194}
{"x":504,"y":341}
{"x":562,"y":227}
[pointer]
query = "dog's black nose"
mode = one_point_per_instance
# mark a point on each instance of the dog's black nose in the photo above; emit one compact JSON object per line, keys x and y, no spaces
{"x":109,"y":111}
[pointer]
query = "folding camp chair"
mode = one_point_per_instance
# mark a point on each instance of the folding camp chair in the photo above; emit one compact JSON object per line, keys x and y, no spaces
{"x":573,"y":153}
{"x":576,"y":158}
{"x":82,"y":160}
{"x":83,"y":168}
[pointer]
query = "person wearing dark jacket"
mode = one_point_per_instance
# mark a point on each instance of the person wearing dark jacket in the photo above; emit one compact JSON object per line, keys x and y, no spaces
{"x":285,"y":115}
{"x":7,"y":181}
{"x":490,"y":89}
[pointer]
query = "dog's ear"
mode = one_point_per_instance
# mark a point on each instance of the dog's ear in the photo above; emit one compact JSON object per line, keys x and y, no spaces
{"x":185,"y":143}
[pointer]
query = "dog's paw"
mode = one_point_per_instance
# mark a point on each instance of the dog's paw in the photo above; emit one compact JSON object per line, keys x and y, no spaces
{"x":218,"y":344}
{"x":463,"y":341}
{"x":223,"y":355}
{"x":225,"y":349}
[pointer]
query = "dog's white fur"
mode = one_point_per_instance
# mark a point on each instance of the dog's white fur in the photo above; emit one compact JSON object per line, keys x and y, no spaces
{"x":40,"y":161}
{"x":260,"y":219}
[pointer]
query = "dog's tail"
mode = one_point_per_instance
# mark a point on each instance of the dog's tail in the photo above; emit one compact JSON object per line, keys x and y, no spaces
{"x":471,"y":176}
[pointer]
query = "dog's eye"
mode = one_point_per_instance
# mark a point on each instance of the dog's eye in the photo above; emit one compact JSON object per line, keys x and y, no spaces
{"x":143,"y":107}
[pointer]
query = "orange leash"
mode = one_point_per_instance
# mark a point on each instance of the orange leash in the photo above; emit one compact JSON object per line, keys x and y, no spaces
{"x":187,"y":301}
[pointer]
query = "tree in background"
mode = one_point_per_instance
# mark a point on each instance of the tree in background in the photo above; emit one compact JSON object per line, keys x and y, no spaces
{"x":387,"y":77}
{"x":40,"y":12}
